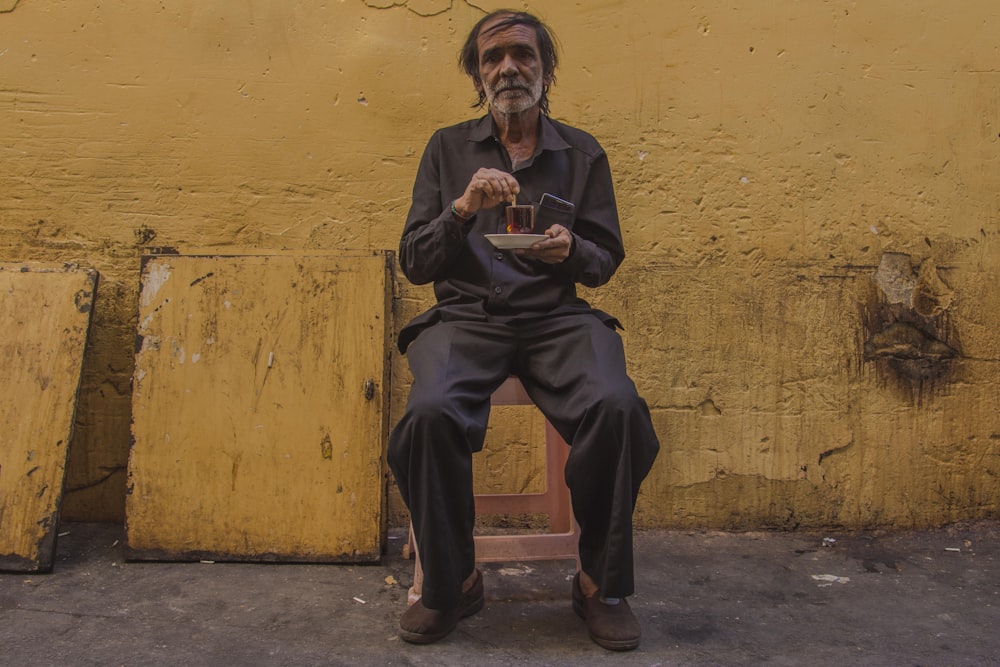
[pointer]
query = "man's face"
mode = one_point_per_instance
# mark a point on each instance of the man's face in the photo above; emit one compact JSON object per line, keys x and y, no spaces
{"x":510,"y":68}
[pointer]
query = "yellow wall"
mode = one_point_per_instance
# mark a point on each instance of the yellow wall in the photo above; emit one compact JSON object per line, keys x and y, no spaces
{"x":769,"y":158}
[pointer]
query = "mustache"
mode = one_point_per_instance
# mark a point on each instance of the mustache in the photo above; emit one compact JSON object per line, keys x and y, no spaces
{"x":511,"y":85}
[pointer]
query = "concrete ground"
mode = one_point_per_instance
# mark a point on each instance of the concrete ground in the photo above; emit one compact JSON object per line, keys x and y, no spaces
{"x":704,"y":598}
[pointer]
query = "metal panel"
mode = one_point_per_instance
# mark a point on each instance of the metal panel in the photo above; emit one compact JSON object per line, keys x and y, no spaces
{"x":258,"y":409}
{"x":44,"y":318}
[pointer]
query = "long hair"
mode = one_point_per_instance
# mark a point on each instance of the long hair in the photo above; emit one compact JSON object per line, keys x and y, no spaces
{"x":468,"y":58}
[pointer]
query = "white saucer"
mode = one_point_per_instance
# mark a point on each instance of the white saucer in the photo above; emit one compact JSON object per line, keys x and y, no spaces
{"x":511,"y":241}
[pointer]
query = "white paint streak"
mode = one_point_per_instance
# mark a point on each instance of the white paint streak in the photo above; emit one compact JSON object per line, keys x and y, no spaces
{"x":157,"y":275}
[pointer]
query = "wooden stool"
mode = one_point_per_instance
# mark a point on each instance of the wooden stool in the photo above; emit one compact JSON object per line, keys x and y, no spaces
{"x":560,"y":543}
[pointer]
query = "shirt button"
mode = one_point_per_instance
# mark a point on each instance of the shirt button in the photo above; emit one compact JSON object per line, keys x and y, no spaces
{"x":499,"y":256}
{"x":497,"y":290}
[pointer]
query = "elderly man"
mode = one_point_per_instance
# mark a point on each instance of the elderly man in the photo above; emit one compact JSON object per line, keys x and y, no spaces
{"x":500,"y":312}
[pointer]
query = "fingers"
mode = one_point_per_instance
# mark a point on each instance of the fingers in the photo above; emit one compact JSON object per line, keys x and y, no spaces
{"x":488,"y":188}
{"x":497,"y":186}
{"x":558,"y":232}
{"x":552,"y":250}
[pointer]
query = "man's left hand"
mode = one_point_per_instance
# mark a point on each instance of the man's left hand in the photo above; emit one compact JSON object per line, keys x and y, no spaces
{"x":552,"y":250}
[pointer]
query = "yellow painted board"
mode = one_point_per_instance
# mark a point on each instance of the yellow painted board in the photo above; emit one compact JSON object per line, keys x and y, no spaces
{"x":259,"y":420}
{"x":44,"y":318}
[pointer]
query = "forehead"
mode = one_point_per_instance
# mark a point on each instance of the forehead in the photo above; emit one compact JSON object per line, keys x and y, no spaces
{"x":512,"y":36}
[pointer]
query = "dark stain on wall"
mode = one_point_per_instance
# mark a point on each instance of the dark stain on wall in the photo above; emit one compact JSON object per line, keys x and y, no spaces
{"x":909,"y":335}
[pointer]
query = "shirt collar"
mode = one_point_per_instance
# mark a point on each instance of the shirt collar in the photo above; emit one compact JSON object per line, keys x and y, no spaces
{"x":549,"y":138}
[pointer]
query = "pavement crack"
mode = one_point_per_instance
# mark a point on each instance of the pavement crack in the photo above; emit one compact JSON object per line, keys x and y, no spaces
{"x":72,"y":614}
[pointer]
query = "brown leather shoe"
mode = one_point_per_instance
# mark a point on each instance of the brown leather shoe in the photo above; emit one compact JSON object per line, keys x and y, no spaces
{"x":611,"y":626}
{"x":420,"y":625}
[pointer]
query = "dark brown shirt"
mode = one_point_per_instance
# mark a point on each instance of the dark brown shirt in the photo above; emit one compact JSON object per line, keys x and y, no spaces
{"x":472,"y":279}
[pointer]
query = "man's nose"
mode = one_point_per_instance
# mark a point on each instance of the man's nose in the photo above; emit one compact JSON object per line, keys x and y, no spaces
{"x":508,"y":66}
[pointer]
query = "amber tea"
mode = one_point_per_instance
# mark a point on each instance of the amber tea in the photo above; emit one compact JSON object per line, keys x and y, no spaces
{"x":520,"y":219}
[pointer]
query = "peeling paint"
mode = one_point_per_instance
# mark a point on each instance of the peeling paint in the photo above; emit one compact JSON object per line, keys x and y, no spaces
{"x":896,"y":279}
{"x":157,"y":274}
{"x":931,"y":296}
{"x":149,"y":343}
{"x":908,"y":329}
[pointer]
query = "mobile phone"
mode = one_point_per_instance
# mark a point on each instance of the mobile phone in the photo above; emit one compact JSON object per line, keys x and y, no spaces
{"x":553,"y":210}
{"x":553,"y":202}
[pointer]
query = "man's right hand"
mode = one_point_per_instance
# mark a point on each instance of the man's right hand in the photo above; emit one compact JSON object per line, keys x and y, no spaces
{"x":486,"y":189}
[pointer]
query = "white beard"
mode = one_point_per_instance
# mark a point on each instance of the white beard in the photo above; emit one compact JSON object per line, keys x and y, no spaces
{"x":529,"y":95}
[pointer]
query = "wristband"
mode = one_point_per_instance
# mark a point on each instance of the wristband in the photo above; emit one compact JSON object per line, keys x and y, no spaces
{"x":454,"y":212}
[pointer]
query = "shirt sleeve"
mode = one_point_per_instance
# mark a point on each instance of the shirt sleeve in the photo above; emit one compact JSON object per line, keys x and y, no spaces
{"x":432,"y":238}
{"x":598,"y":250}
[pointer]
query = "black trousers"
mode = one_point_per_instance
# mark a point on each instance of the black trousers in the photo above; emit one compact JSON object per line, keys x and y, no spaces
{"x":573,"y":367}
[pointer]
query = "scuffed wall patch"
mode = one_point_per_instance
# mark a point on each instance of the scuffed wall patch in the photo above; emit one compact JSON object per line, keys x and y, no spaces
{"x":7,"y":6}
{"x":909,"y":329}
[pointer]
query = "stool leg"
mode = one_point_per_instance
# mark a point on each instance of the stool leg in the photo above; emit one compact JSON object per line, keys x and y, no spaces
{"x":413,"y":595}
{"x":556,"y":454}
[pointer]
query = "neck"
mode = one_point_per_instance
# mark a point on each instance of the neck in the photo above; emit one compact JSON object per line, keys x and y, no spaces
{"x":518,"y":132}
